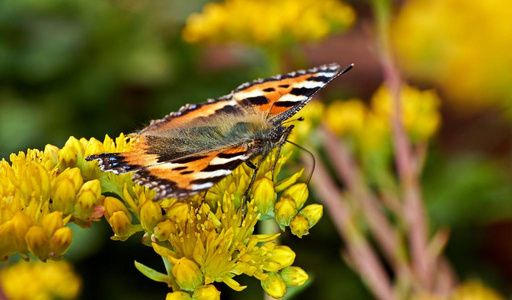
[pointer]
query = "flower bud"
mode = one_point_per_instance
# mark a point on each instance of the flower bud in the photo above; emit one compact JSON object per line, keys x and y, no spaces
{"x":67,"y":158}
{"x":113,"y":205}
{"x":299,"y":225}
{"x":51,"y":155}
{"x":298,"y":192}
{"x":294,"y":276}
{"x":264,"y":195}
{"x":75,"y":144}
{"x":187,"y":274}
{"x":178,"y":212}
{"x":120,"y":223}
{"x":63,"y":196}
{"x":150,"y":215}
{"x":76,"y":177}
{"x":313,"y":213}
{"x":274,"y":285}
{"x":37,"y":242}
{"x":93,"y":147}
{"x":88,"y":197}
{"x":51,"y":222}
{"x":60,"y":241}
{"x":287,"y":182}
{"x":285,"y":210}
{"x":283,"y":255}
{"x":206,"y":292}
{"x":163,"y":230}
{"x":21,"y":224}
{"x":178,"y":296}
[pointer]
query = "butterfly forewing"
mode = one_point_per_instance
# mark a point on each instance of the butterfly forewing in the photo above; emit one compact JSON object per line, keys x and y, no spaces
{"x":280,"y":97}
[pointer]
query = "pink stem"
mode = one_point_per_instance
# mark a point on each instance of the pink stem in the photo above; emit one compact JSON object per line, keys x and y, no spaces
{"x":364,"y":257}
{"x":414,"y":211}
{"x":348,"y":170}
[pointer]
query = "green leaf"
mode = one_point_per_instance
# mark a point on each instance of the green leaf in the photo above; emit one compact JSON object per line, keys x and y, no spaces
{"x":153,"y":274}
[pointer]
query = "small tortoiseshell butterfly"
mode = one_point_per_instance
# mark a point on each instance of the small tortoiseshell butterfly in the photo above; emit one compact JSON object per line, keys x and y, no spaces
{"x":190,"y":150}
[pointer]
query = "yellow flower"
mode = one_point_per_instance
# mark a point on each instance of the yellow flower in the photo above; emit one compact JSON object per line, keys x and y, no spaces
{"x":437,"y":40}
{"x":60,"y":241}
{"x":370,"y":128}
{"x":264,"y":195}
{"x":36,"y":280}
{"x":299,"y":226}
{"x":285,"y":210}
{"x":274,"y":285}
{"x":311,"y":115}
{"x":41,"y":190}
{"x":313,"y":213}
{"x":150,"y":215}
{"x":178,"y":296}
{"x":206,"y":292}
{"x":294,"y":276}
{"x":346,"y":117}
{"x":420,"y":110}
{"x":474,"y":290}
{"x":187,"y":273}
{"x":202,"y":241}
{"x":284,"y":21}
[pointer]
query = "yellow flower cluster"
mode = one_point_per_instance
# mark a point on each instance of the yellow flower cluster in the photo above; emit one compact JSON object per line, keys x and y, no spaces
{"x":267,"y":22}
{"x":460,"y":45}
{"x":41,"y":191}
{"x":36,"y":280}
{"x":212,"y":241}
{"x":204,"y":239}
{"x":370,"y":127}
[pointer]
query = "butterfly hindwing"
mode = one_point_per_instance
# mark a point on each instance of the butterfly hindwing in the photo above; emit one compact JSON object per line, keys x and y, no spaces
{"x":190,"y":175}
{"x":280,"y":97}
{"x":125,"y":162}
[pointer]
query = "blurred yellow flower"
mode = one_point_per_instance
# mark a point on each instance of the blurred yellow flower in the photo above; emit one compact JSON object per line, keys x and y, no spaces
{"x":267,"y":22}
{"x":346,"y":116}
{"x":474,"y":290}
{"x":370,"y":127}
{"x":41,"y":281}
{"x":460,"y":45}
{"x":420,"y":110}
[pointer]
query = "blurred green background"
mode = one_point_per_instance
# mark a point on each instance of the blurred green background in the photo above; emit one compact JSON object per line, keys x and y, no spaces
{"x":87,"y":68}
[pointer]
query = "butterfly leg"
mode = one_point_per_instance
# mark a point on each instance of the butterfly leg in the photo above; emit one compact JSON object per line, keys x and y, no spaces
{"x":250,"y":164}
{"x":253,"y":178}
{"x":280,"y":145}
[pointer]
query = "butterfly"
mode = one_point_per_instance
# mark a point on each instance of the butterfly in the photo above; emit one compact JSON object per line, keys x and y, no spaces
{"x":190,"y":150}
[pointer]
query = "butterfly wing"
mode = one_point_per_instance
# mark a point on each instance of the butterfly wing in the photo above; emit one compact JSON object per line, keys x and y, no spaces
{"x":190,"y":150}
{"x":280,"y":97}
{"x":191,"y":114}
{"x":179,"y":177}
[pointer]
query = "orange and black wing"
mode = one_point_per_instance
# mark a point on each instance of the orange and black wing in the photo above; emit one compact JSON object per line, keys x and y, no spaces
{"x":181,"y":177}
{"x":280,"y":97}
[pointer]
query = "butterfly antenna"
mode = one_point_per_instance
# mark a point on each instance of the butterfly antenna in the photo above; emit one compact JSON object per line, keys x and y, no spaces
{"x":348,"y":68}
{"x":312,"y":158}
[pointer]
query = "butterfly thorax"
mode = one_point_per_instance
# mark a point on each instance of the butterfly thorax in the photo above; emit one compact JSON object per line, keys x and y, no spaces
{"x":222,"y":132}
